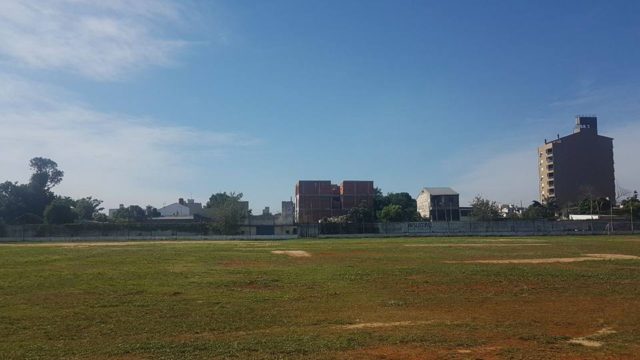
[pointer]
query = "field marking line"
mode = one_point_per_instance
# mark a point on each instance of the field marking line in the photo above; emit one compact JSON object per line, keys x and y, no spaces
{"x":588,"y":340}
{"x":474,"y":245}
{"x":292,"y":253}
{"x":383,"y":324}
{"x":586,"y":257}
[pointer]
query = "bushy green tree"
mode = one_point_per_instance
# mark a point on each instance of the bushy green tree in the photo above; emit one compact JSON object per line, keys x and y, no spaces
{"x":391,"y":213}
{"x":631,"y":205}
{"x":60,"y":211}
{"x":25,"y":203}
{"x":360,"y":214}
{"x":87,"y":208}
{"x":227,"y":212}
{"x":407,"y":204}
{"x":484,"y":210}
{"x":131,"y":213}
{"x":538,"y":210}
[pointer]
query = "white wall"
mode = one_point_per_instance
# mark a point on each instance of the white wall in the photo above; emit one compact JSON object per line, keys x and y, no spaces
{"x":174,"y":210}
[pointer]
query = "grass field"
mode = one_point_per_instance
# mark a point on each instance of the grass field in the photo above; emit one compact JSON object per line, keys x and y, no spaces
{"x":408,"y":298}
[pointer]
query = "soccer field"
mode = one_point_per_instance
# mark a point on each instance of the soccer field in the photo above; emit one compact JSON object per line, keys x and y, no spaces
{"x":404,"y":298}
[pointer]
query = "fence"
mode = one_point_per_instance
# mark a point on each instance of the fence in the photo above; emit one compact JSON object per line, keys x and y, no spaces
{"x":198,"y":231}
{"x":471,"y":228}
{"x":122,"y":232}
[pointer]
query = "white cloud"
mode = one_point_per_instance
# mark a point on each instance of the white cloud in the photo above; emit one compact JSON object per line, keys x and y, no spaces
{"x":113,"y":157}
{"x":102,"y":40}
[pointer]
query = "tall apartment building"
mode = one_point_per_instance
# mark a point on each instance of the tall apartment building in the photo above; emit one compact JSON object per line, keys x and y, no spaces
{"x":318,"y":199}
{"x":577,"y":166}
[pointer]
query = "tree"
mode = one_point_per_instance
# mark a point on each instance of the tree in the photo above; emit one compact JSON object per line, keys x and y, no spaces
{"x":360,"y":214}
{"x":227,"y":212}
{"x":538,"y":210}
{"x":59,"y":212}
{"x":391,"y":213}
{"x":46,"y":174}
{"x":132,"y":213}
{"x":484,"y":209}
{"x":632,"y":205}
{"x":220,"y":199}
{"x":22,"y":204}
{"x":25,"y":203}
{"x":87,"y":208}
{"x":407,"y":204}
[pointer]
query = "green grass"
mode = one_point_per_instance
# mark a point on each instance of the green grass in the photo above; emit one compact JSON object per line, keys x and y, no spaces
{"x":237,"y":300}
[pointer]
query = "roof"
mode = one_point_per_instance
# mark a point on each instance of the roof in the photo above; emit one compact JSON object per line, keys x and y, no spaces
{"x":439,"y":191}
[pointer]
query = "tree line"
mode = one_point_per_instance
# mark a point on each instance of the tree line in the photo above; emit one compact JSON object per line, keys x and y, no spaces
{"x":36,"y":203}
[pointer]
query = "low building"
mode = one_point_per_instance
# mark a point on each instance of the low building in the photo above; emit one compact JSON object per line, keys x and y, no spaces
{"x":182,"y":209}
{"x":439,"y":204}
{"x":271,"y":224}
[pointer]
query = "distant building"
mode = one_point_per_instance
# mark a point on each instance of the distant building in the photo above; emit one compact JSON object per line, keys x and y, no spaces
{"x":271,"y":224}
{"x":511,"y":210}
{"x":319,"y":199}
{"x":439,"y":204}
{"x":181,"y":209}
{"x":577,"y":166}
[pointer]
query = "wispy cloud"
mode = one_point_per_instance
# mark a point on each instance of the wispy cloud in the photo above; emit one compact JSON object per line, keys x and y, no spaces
{"x":102,"y":40}
{"x":115,"y":157}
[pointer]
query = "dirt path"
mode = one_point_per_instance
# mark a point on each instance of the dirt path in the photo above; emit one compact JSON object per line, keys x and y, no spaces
{"x":141,"y":242}
{"x":586,"y":257}
{"x":589,"y":341}
{"x":475,"y":245}
{"x":292,"y":253}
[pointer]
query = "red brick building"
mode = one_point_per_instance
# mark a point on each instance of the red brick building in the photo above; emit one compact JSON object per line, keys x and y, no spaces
{"x":318,"y":199}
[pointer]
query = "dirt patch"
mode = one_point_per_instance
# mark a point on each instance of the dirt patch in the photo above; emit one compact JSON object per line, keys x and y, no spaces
{"x":474,"y":245}
{"x":373,"y":325}
{"x":589,"y":341}
{"x":586,"y":257}
{"x":292,"y":253}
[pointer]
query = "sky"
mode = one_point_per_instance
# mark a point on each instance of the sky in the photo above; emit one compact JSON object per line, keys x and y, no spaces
{"x":144,"y":102}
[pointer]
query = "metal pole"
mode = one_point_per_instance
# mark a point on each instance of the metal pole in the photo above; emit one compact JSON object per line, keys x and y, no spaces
{"x":611,"y":206}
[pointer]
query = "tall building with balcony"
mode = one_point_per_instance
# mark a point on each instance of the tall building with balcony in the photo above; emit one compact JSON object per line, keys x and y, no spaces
{"x":577,"y":166}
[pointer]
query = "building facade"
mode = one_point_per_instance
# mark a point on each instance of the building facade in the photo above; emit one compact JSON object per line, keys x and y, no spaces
{"x":439,"y":204}
{"x":319,"y":199}
{"x":182,"y":209}
{"x":577,"y":166}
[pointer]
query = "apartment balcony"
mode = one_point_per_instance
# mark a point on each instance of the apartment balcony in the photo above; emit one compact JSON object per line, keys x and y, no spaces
{"x":549,"y":159}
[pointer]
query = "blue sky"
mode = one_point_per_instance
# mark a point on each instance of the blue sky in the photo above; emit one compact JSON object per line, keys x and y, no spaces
{"x":149,"y":101}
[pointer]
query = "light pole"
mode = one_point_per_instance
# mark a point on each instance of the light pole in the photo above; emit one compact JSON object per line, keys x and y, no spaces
{"x":611,"y":213}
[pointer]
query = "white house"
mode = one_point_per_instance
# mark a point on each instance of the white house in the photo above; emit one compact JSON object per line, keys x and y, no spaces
{"x":175,"y":209}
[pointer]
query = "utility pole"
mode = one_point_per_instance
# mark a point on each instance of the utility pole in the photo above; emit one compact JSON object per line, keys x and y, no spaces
{"x":631,"y":207}
{"x":611,"y":207}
